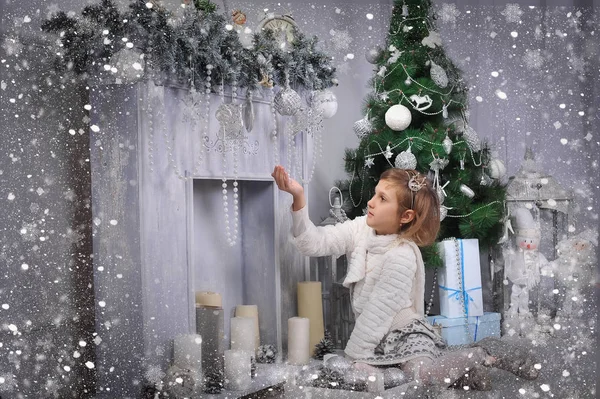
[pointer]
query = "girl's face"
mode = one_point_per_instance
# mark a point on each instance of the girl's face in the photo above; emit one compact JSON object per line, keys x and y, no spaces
{"x":383,"y":209}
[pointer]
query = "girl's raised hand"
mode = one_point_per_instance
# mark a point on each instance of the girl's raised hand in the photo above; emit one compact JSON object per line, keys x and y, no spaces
{"x":286,"y":183}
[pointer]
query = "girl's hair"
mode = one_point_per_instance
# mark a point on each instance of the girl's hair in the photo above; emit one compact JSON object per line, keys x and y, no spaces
{"x":424,"y":227}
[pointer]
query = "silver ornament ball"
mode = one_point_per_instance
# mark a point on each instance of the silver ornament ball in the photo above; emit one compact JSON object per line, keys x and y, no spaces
{"x":326,"y":102}
{"x":373,"y":54}
{"x":447,"y":145}
{"x":398,"y":117}
{"x":287,"y":102}
{"x":405,"y":160}
{"x":363,"y":128}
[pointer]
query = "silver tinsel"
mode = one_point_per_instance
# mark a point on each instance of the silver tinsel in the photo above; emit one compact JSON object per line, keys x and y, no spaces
{"x":406,"y":160}
{"x":472,"y":138}
{"x":373,"y":54}
{"x":466,"y":190}
{"x":363,"y":127}
{"x":266,"y":354}
{"x":447,"y":145}
{"x":287,"y":102}
{"x":438,"y":75}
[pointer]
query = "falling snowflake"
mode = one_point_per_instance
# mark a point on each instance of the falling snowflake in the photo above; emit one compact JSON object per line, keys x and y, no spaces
{"x":154,"y":375}
{"x":512,"y":12}
{"x":533,"y":59}
{"x":340,"y":39}
{"x":578,"y":64}
{"x":449,"y":13}
{"x":51,"y":10}
{"x":575,"y":144}
{"x":29,"y":231}
{"x":7,"y":383}
{"x":12,"y":46}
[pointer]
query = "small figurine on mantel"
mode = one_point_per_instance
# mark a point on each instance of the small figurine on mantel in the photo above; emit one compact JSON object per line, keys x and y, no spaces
{"x":524,"y":263}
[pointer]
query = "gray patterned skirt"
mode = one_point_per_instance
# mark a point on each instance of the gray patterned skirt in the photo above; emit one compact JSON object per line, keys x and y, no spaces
{"x":416,"y":339}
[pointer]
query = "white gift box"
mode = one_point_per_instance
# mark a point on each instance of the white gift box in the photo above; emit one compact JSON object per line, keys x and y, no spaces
{"x":460,"y":279}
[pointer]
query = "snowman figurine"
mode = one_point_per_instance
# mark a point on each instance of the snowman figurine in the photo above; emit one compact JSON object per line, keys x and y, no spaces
{"x":523,"y":263}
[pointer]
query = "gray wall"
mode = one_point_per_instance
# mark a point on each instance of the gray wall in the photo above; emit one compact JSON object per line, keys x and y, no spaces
{"x":44,"y":170}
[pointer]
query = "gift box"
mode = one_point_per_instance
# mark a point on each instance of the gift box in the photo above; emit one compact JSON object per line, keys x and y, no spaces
{"x":454,"y":330}
{"x":460,"y":279}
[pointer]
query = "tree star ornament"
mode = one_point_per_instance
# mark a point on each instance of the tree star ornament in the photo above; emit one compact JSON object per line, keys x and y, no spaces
{"x":447,"y":144}
{"x":406,"y":160}
{"x":398,"y":117}
{"x":369,"y":161}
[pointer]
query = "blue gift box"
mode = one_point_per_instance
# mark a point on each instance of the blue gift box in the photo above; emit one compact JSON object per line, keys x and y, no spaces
{"x":454,"y":331}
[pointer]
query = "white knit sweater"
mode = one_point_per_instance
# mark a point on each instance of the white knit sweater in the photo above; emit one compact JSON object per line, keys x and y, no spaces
{"x":386,"y":276}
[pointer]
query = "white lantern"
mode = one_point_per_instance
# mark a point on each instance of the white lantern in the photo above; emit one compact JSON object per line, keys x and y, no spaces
{"x":398,"y":117}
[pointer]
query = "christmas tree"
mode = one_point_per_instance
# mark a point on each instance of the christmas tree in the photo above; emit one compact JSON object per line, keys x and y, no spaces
{"x":417,"y":118}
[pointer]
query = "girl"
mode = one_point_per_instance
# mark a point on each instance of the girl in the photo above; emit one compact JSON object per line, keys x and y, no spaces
{"x":386,"y":278}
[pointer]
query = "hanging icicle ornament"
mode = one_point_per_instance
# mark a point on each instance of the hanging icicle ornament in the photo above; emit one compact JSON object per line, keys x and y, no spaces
{"x":248,"y":112}
{"x":363,"y":127}
{"x":406,"y":159}
{"x":398,"y":117}
{"x":445,"y":111}
{"x":472,"y":138}
{"x":466,"y":190}
{"x":447,"y":144}
{"x":438,"y":75}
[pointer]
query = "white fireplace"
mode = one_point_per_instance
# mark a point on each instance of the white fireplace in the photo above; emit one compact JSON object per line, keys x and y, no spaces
{"x":158,"y":238}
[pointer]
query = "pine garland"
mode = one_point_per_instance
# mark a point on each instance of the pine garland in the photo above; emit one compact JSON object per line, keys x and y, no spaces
{"x":178,"y":47}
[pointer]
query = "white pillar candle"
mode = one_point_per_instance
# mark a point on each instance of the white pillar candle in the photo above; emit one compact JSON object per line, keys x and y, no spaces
{"x":250,"y":311}
{"x":237,"y":370}
{"x":242,"y":333}
{"x":188,"y":352}
{"x":298,"y":340}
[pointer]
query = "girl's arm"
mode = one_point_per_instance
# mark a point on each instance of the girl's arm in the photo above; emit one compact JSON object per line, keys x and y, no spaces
{"x":391,"y":293}
{"x":308,"y":238}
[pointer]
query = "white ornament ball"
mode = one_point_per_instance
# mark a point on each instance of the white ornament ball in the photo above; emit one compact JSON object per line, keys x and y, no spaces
{"x":398,"y":117}
{"x":497,"y":169}
{"x":373,"y":54}
{"x":326,"y":102}
{"x":129,"y":65}
{"x":287,"y":102}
